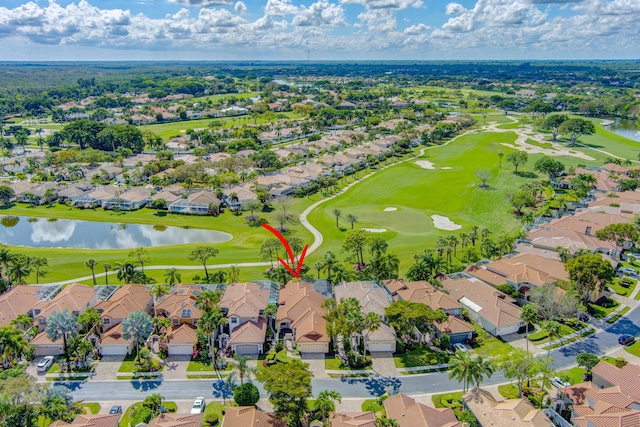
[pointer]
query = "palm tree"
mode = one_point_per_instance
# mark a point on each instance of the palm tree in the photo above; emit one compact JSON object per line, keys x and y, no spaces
{"x":19,"y":269}
{"x":351,"y":219}
{"x":137,"y":326}
{"x":243,"y":368}
{"x":553,"y":328}
{"x":500,"y":155}
{"x":126,"y":271}
{"x":208,"y":325}
{"x":90,"y":320}
{"x":462,"y":369}
{"x":371,"y":323}
{"x":158,"y":290}
{"x":337,"y":213}
{"x":391,"y":264}
{"x":528,"y":315}
{"x":161,"y":324}
{"x":481,"y":368}
{"x":23,"y":322}
{"x":172,"y":276}
{"x":62,"y":324}
{"x":12,"y":345}
{"x":91,"y":263}
{"x":208,"y":300}
{"x":318,"y":265}
{"x":325,"y":403}
{"x":329,"y":260}
{"x":106,"y":267}
{"x":6,"y":258}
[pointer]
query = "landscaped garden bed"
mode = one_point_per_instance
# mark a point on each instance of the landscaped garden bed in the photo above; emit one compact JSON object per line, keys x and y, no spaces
{"x":420,"y":355}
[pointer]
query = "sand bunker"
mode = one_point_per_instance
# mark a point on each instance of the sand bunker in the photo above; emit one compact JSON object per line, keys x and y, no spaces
{"x":390,"y":209}
{"x":447,"y":167}
{"x":375,"y":230}
{"x":444,"y":223}
{"x":425,"y":164}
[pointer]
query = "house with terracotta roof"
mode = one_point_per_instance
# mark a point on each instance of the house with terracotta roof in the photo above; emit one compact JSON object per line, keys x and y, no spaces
{"x":236,"y":416}
{"x":19,"y":300}
{"x":75,"y":297}
{"x":113,"y":342}
{"x":198,"y":203}
{"x":130,"y":200}
{"x":373,"y":299}
{"x":169,"y":419}
{"x":352,"y":419}
{"x":90,"y":420}
{"x":493,"y":310}
{"x":627,"y":378}
{"x":409,"y":413}
{"x":506,"y":413}
{"x":243,"y":305}
{"x":457,"y":329}
{"x":180,"y":305}
{"x":423,"y":292}
{"x":523,"y":271}
{"x":182,"y":340}
{"x":124,"y":301}
{"x":300,"y":317}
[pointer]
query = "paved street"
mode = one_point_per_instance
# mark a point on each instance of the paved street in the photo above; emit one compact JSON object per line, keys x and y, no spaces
{"x":603,"y":342}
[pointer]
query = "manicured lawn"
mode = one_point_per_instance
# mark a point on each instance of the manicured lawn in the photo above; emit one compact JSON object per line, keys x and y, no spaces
{"x":633,"y":348}
{"x":600,"y":312}
{"x":333,"y":363}
{"x":194,"y":365}
{"x":127,"y":364}
{"x":617,"y":287}
{"x":508,"y":391}
{"x":92,"y":407}
{"x":618,"y":315}
{"x":491,"y":346}
{"x":574,"y":375}
{"x":419,"y":356}
{"x":373,"y":405}
{"x":128,"y":413}
{"x":447,"y":400}
{"x":213,"y":412}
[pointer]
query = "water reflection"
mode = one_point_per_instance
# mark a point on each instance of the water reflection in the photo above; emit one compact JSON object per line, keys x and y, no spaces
{"x":44,"y":233}
{"x":627,"y":128}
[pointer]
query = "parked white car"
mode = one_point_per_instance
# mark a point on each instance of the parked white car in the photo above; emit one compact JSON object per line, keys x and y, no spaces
{"x":460,"y":347}
{"x":198,"y":405}
{"x":45,"y":364}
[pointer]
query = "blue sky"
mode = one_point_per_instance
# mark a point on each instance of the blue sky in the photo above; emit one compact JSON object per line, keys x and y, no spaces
{"x":322,"y":29}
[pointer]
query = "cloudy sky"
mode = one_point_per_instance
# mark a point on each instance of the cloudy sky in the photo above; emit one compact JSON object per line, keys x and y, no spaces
{"x":318,"y":29}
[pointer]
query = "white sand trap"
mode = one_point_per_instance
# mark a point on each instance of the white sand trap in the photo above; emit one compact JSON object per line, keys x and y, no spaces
{"x":390,"y":209}
{"x":375,"y":230}
{"x":425,"y":164}
{"x":444,"y":223}
{"x":447,"y":167}
{"x":183,"y":131}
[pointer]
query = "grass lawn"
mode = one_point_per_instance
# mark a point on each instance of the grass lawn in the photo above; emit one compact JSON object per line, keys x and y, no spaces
{"x":618,"y":315}
{"x":333,"y":363}
{"x":541,"y":336}
{"x":91,"y":407}
{"x":128,"y":414}
{"x":633,"y":348}
{"x":445,"y":400}
{"x":508,"y":391}
{"x":196,"y":366}
{"x":574,"y":375}
{"x":491,"y":346}
{"x":617,"y":287}
{"x":213,"y":412}
{"x":373,"y":405}
{"x":600,"y":312}
{"x":419,"y":356}
{"x":127,"y":364}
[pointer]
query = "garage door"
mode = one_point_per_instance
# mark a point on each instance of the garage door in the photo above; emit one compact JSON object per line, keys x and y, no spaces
{"x":382,"y":346}
{"x":48,"y":350}
{"x":313,"y":347}
{"x":180,"y":349}
{"x":114,"y":350}
{"x":247,"y":349}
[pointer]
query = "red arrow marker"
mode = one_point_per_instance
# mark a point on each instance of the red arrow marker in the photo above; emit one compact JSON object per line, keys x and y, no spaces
{"x":285,"y":243}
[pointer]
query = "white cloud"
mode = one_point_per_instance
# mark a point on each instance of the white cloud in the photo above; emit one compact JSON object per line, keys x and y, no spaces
{"x":240,"y":8}
{"x":280,"y":8}
{"x":379,"y":20}
{"x":387,"y":4}
{"x":455,"y":9}
{"x":203,"y":3}
{"x":416,"y":29}
{"x":319,"y":14}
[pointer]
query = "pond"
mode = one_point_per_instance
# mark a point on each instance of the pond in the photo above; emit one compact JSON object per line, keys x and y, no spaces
{"x":64,"y":233}
{"x":627,"y":128}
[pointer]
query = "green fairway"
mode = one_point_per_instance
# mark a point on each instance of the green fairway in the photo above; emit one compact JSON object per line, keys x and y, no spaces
{"x":450,"y":190}
{"x":611,"y":143}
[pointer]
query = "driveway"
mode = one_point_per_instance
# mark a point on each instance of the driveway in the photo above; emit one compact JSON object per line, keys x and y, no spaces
{"x":382,"y":363}
{"x":175,"y":367}
{"x":316,"y":364}
{"x":107,"y":368}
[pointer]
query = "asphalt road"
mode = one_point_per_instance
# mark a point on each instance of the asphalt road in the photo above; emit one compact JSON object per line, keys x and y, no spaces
{"x":599,"y":343}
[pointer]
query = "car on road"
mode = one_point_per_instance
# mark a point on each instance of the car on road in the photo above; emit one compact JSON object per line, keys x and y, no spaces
{"x":115,"y":409}
{"x":460,"y":347}
{"x":198,"y":405}
{"x":45,"y":364}
{"x":628,"y":271}
{"x":559,"y":382}
{"x":626,"y":339}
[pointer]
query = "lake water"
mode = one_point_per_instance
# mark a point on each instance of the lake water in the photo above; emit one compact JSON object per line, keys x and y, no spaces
{"x":627,"y":128}
{"x":64,"y":233}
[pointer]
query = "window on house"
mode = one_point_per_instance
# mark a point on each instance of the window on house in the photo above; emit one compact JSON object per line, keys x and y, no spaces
{"x":174,"y":321}
{"x":186,"y":312}
{"x":43,"y":321}
{"x":106,"y":321}
{"x":234,"y":319}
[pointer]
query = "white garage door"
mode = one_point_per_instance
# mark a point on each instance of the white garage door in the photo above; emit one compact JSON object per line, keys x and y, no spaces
{"x":180,"y":349}
{"x":48,"y":350}
{"x":114,"y":350}
{"x":382,"y":346}
{"x":313,"y":347}
{"x":246,"y":349}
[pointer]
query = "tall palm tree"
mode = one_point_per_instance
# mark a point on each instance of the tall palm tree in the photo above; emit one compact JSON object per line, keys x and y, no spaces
{"x":172,"y":276}
{"x":19,"y":269}
{"x":351,"y":219}
{"x":329,"y":260}
{"x":325,"y":403}
{"x":137,"y":326}
{"x":208,"y":325}
{"x":91,"y":263}
{"x":106,"y":267}
{"x":481,"y":368}
{"x":462,"y":369}
{"x":208,"y":300}
{"x":62,"y":324}
{"x":318,"y":265}
{"x":90,"y":320}
{"x":337,"y":213}
{"x":23,"y":322}
{"x":370,"y":323}
{"x":553,"y":328}
{"x":126,"y":271}
{"x":244,"y":370}
{"x":158,"y":290}
{"x":528,"y":315}
{"x":161,"y":324}
{"x":12,"y":345}
{"x":391,"y":263}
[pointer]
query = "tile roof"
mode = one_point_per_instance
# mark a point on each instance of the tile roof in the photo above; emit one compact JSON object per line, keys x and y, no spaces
{"x":97,"y":420}
{"x":74,"y":297}
{"x":508,"y":413}
{"x":410,"y":413}
{"x":182,"y":298}
{"x":125,"y":300}
{"x":302,"y":306}
{"x":454,"y":325}
{"x":373,"y":297}
{"x":250,"y":333}
{"x":521,"y":268}
{"x":177,"y":420}
{"x":422,"y":292}
{"x":244,"y":299}
{"x":16,"y":301}
{"x":494,"y":305}
{"x":352,"y":419}
{"x":236,"y":416}
{"x":114,"y":336}
{"x":183,"y":334}
{"x":627,"y":378}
